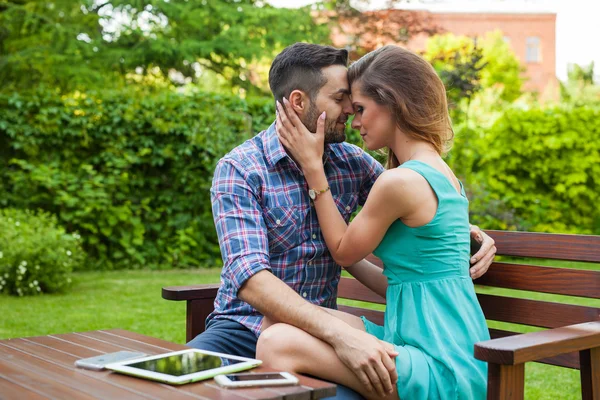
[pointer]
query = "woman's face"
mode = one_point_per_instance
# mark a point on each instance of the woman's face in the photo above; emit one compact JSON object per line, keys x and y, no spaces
{"x":375,"y":122}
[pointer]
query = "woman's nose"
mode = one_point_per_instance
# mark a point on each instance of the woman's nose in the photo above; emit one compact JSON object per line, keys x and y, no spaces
{"x":356,"y":122}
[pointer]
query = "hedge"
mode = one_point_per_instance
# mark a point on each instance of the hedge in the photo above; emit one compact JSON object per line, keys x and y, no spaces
{"x":130,"y":171}
{"x":539,"y":170}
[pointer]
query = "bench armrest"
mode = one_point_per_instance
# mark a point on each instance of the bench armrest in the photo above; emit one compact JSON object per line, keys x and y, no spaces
{"x":519,"y":349}
{"x":200,"y":303}
{"x":192,"y":292}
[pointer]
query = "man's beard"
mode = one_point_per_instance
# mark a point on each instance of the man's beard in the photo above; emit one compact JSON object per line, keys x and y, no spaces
{"x":333,"y":133}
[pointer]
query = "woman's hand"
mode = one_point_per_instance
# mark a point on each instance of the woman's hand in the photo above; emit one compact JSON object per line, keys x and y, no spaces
{"x":305,"y":147}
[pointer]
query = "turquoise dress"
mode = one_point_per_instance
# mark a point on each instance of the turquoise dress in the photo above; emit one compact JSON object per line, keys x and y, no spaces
{"x":432,"y":316}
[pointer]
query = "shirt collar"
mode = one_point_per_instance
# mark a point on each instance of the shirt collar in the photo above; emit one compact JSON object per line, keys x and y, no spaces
{"x":275,"y":152}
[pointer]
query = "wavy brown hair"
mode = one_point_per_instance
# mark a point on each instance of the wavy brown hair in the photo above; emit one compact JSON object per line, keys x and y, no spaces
{"x":411,"y":89}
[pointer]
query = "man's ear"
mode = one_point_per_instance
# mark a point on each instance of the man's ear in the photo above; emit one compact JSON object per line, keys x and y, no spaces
{"x":299,"y":101}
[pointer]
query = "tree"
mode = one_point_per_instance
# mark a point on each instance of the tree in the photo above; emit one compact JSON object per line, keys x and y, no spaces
{"x":78,"y":44}
{"x":365,"y":30}
{"x":472,"y":63}
{"x":580,"y":88}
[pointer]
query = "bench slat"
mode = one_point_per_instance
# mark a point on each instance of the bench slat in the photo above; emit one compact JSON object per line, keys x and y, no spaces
{"x":571,"y":282}
{"x":372,"y":315}
{"x":535,"y":313}
{"x":498,"y":308}
{"x":547,"y":245}
{"x":350,"y":288}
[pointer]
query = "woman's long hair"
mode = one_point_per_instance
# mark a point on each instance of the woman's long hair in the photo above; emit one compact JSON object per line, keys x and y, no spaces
{"x":411,"y":89}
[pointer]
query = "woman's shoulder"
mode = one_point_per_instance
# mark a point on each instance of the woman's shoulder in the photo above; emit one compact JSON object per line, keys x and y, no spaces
{"x":400,"y":178}
{"x":400,"y":185}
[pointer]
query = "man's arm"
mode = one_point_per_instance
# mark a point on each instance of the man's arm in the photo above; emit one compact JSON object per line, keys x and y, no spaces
{"x":481,"y":261}
{"x":369,"y":358}
{"x":369,"y":275}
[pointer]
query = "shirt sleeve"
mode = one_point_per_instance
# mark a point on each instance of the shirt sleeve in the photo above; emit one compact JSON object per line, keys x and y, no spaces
{"x":372,"y":169}
{"x":241,"y":230}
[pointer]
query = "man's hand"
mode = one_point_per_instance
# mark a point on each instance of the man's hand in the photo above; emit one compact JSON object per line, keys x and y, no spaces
{"x":481,"y":261}
{"x":371,"y":359}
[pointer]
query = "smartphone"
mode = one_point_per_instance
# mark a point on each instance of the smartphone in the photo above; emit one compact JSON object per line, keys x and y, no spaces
{"x":245,"y":380}
{"x":97,"y":363}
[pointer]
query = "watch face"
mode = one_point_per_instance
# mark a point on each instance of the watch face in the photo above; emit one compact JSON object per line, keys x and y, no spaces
{"x":312,"y":194}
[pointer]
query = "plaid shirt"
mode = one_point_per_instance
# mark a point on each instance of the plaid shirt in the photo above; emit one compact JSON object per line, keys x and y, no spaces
{"x":265,"y":220}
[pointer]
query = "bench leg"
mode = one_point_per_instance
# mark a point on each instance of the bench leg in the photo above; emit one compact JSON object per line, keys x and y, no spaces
{"x":196,"y":313}
{"x":506,"y":382}
{"x":589,"y":361}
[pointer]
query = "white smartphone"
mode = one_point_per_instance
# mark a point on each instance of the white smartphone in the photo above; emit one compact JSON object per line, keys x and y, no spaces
{"x":98,"y":363}
{"x":256,"y":379}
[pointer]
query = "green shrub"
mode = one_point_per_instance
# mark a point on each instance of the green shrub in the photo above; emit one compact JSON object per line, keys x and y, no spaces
{"x":538,"y":170}
{"x":130,"y":170}
{"x":36,"y":254}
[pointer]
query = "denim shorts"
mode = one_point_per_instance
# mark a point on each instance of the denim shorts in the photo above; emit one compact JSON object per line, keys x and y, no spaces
{"x":226,"y":336}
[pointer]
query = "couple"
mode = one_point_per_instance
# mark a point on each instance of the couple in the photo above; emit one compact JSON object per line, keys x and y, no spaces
{"x":282,"y":202}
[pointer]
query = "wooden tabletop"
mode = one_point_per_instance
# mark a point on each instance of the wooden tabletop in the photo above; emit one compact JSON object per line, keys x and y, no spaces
{"x":42,"y":367}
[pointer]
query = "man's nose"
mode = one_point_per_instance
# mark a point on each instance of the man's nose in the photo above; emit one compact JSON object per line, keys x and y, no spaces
{"x":347,"y":107}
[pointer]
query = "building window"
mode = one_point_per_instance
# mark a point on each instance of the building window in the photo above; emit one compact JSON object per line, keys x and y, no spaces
{"x":533,"y":51}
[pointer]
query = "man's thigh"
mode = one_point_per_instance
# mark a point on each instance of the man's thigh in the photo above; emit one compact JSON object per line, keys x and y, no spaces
{"x":226,"y":336}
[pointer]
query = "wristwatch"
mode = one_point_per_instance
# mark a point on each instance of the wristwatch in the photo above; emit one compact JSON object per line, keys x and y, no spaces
{"x":314,"y":193}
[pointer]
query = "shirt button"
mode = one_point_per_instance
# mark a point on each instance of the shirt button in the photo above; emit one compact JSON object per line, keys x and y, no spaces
{"x":304,"y":294}
{"x":309,"y":263}
{"x":278,"y":222}
{"x":314,"y":235}
{"x":347,"y":208}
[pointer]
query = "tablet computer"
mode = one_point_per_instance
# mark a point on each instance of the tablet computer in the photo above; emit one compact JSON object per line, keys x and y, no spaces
{"x":183,"y":366}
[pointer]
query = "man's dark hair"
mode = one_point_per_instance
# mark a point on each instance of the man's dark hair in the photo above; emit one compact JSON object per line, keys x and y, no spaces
{"x":298,"y":67}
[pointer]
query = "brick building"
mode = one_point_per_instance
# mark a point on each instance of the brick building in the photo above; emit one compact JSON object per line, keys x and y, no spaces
{"x":530,"y":32}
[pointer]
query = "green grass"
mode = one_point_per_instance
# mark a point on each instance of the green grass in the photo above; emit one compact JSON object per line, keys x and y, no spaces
{"x":132,"y":300}
{"x":103,"y":300}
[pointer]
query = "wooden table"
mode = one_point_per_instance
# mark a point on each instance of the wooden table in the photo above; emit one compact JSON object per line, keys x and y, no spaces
{"x":42,"y":368}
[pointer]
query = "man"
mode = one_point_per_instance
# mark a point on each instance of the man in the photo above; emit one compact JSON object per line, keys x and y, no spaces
{"x":275,"y":259}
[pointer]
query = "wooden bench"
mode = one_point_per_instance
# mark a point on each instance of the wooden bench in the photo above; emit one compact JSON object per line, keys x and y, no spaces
{"x":572,"y":339}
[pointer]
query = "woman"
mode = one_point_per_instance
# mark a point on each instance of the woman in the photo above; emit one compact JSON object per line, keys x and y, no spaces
{"x":415,"y":220}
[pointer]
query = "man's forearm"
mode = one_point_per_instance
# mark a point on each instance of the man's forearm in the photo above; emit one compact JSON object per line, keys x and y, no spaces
{"x":369,"y":275}
{"x":265,"y":292}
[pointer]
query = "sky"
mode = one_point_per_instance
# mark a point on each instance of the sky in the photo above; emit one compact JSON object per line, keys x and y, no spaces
{"x":577,"y":23}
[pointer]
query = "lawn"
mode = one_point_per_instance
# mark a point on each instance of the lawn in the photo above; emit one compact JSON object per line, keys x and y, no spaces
{"x":132,"y":300}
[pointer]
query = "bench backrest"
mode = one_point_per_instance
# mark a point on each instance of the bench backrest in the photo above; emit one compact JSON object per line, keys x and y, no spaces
{"x":521,"y":307}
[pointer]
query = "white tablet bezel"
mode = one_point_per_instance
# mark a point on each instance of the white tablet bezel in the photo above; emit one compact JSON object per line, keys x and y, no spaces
{"x":123,"y":367}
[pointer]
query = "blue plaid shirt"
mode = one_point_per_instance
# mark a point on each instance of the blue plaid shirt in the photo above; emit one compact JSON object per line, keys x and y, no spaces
{"x":265,"y":220}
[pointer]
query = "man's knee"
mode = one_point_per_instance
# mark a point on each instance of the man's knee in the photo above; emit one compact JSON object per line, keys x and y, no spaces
{"x":276,"y":346}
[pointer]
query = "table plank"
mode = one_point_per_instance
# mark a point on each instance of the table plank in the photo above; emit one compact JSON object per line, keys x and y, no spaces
{"x":48,"y":362}
{"x":46,"y":359}
{"x":10,"y":390}
{"x":138,"y":337}
{"x":22,"y":374}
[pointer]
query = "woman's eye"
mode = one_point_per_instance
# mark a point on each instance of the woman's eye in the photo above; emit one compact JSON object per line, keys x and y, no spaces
{"x":359,"y":109}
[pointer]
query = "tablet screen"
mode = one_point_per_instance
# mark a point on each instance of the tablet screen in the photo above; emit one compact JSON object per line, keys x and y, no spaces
{"x":183,"y":364}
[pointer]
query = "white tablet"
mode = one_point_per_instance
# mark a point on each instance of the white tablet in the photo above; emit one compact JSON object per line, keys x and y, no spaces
{"x":183,"y":366}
